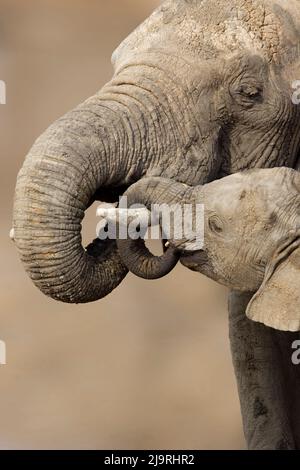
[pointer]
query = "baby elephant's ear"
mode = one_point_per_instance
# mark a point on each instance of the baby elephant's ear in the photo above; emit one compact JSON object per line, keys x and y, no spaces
{"x":277,"y":302}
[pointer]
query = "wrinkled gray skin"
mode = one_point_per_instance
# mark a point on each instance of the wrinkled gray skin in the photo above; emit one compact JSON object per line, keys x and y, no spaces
{"x":247,"y":219}
{"x":201,"y":90}
{"x":251,"y":238}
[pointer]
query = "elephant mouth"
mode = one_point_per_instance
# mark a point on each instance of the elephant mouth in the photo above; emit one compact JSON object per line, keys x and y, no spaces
{"x":194,"y":260}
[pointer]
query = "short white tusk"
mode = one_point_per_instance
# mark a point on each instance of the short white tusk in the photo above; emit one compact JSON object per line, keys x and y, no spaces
{"x":12,"y":234}
{"x":167,"y":244}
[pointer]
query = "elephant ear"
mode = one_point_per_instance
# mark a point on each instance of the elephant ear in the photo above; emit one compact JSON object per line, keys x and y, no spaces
{"x":277,"y":303}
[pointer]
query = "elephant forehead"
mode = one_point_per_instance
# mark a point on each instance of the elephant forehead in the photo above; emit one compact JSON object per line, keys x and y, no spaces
{"x":239,"y":24}
{"x":208,"y":28}
{"x":224,"y":196}
{"x":254,"y":192}
{"x":268,"y":27}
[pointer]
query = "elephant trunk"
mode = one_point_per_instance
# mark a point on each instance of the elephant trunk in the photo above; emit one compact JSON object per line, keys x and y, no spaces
{"x":134,"y":253}
{"x":90,"y":148}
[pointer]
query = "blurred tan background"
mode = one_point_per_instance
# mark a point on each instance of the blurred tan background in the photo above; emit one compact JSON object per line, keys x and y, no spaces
{"x":147,"y":367}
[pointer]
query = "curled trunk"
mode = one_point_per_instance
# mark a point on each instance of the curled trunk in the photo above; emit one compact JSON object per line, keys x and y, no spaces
{"x":79,"y":156}
{"x":94,"y":152}
{"x":134,"y":253}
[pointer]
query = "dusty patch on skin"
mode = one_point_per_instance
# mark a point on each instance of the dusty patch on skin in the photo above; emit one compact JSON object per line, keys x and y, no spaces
{"x":207,"y":29}
{"x":248,"y":24}
{"x":228,"y":25}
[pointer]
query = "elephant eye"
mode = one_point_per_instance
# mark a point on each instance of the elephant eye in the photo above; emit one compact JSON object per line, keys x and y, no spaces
{"x":248,"y":94}
{"x":215,"y":224}
{"x":251,"y":91}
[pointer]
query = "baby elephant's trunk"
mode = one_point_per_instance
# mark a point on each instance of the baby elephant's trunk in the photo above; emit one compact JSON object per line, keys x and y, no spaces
{"x":158,"y":195}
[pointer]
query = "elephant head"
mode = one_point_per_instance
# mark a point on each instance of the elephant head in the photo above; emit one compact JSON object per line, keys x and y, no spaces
{"x":200,"y":90}
{"x":251,"y":238}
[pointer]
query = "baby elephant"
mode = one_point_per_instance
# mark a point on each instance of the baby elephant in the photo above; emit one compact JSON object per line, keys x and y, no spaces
{"x":251,"y":238}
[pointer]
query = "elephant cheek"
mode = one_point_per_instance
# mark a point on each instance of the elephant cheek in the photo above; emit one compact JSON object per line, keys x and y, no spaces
{"x":205,"y":264}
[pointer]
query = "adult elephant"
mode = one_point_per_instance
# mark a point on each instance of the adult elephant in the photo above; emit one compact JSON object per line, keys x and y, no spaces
{"x":202,"y":89}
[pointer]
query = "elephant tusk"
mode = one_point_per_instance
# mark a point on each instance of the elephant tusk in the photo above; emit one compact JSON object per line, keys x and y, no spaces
{"x":12,"y":234}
